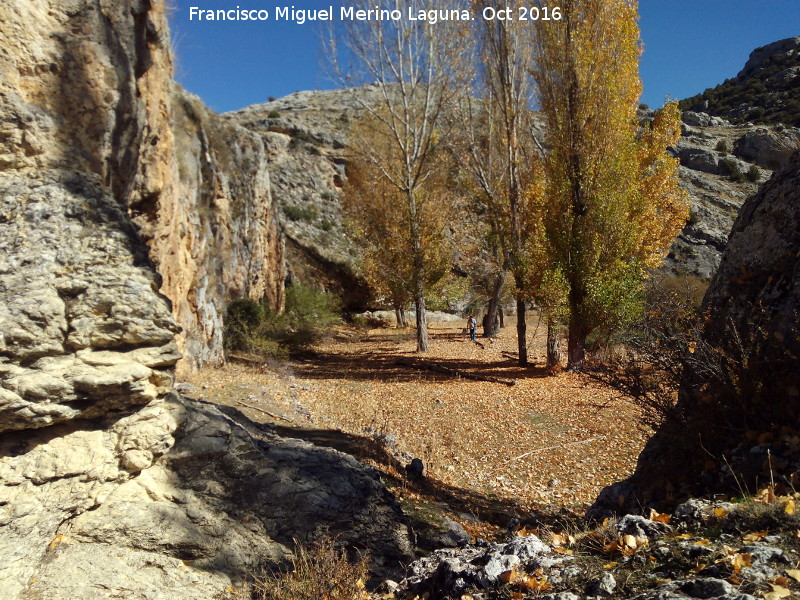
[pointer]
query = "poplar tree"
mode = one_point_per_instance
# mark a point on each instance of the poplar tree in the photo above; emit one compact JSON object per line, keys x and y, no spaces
{"x":497,"y":146}
{"x":613,"y":201}
{"x":378,"y":218}
{"x":414,"y":71}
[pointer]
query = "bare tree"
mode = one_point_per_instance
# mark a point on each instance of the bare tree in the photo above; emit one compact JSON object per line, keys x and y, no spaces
{"x":414,"y":70}
{"x":497,"y":146}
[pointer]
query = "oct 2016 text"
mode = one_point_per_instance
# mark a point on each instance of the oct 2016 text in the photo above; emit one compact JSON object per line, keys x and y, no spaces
{"x":301,"y":16}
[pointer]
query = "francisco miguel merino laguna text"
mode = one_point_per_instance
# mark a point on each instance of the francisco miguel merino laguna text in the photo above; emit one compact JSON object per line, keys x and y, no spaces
{"x":344,"y":13}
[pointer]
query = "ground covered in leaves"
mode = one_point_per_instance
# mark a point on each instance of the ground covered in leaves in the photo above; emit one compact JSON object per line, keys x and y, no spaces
{"x":547,"y":440}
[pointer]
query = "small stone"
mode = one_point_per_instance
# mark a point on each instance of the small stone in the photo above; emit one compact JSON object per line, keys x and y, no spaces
{"x":604,"y":586}
{"x":526,"y":547}
{"x":705,"y":587}
{"x":638,"y":526}
{"x":497,"y":565}
{"x":415,"y":468}
{"x":764,"y":554}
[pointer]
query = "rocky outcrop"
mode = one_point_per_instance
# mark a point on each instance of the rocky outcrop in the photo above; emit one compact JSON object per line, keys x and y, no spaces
{"x":632,"y":557}
{"x":733,"y":426}
{"x":110,"y":485}
{"x":88,"y":86}
{"x":721,"y":165}
{"x":768,"y":148}
{"x":760,"y":56}
{"x":764,"y":92}
{"x":176,"y":501}
{"x":211,"y":225}
{"x":85,"y":332}
{"x":306,"y":137}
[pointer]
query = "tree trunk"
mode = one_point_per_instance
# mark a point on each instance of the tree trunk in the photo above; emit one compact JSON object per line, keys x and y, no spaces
{"x":522,"y":331}
{"x":501,"y":316}
{"x":576,"y":337}
{"x":491,"y":322}
{"x":422,"y":324}
{"x":553,"y":350}
{"x":400,"y":317}
{"x":576,"y":345}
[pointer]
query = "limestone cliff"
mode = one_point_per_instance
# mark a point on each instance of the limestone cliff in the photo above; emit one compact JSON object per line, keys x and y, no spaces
{"x":110,"y":485}
{"x":88,"y":86}
{"x":306,"y":137}
{"x":211,"y":225}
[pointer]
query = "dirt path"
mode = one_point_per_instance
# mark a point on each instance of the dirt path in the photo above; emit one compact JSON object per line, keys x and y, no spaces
{"x":546,"y":440}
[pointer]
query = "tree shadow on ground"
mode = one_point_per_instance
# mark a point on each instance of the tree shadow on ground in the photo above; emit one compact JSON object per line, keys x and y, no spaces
{"x":381,"y":365}
{"x":486,"y":508}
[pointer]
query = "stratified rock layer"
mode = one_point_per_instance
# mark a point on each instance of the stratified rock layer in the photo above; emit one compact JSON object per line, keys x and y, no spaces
{"x":176,"y":501}
{"x":87,"y":86}
{"x":84,"y":330}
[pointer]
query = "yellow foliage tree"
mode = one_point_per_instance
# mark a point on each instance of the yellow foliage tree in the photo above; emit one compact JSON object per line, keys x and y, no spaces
{"x":403,"y":246}
{"x":495,"y":145}
{"x":404,"y":74}
{"x":613,"y":201}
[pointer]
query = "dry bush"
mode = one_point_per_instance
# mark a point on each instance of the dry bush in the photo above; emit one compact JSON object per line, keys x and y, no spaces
{"x":649,"y":363}
{"x":317,"y":572}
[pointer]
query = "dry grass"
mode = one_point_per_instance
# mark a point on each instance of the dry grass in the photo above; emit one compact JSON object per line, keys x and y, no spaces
{"x":318,"y":572}
{"x":547,"y":440}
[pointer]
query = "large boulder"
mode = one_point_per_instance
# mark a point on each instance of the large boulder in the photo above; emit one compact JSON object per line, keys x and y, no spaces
{"x":769,"y":148}
{"x":177,"y":501}
{"x":736,"y":403}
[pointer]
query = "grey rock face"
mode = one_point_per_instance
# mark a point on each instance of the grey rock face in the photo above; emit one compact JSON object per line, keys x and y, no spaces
{"x":307,"y":154}
{"x":765,"y":554}
{"x":184,"y":497}
{"x":768,"y":148}
{"x":760,"y":55}
{"x":705,"y":587}
{"x":751,"y":316}
{"x":85,"y":332}
{"x":87,"y":87}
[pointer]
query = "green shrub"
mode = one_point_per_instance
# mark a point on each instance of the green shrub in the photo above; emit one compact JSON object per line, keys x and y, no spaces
{"x":754,"y":173}
{"x":731,"y":167}
{"x":310,"y":313}
{"x":326,"y":224}
{"x":274,"y":114}
{"x":301,"y":213}
{"x":722,"y":147}
{"x":254,"y":328}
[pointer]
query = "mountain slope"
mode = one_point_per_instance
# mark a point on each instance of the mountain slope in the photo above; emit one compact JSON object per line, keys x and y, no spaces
{"x":766,"y":91}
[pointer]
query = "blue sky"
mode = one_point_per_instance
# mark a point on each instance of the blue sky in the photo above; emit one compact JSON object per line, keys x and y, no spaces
{"x":689,"y":45}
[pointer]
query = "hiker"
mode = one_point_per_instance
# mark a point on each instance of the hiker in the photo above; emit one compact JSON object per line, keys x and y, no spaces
{"x":472,"y":325}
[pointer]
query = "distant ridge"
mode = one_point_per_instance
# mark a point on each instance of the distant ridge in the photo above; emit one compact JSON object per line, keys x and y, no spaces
{"x":766,"y":91}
